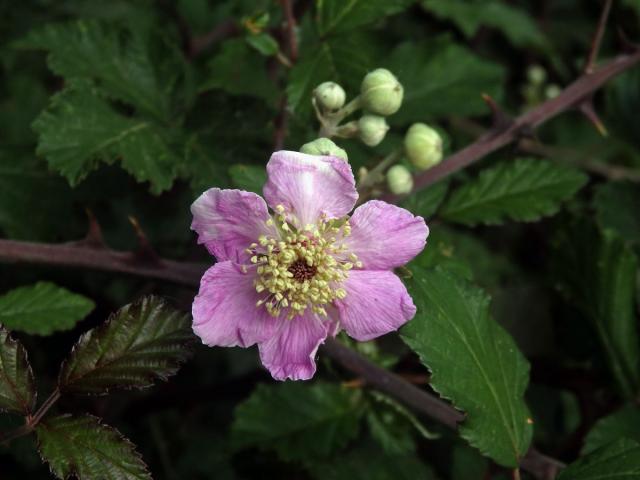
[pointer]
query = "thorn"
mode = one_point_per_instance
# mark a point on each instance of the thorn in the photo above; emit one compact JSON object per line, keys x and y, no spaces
{"x":501,"y":120}
{"x":145,"y":251}
{"x":627,"y":45}
{"x":586,"y":108}
{"x":93,"y":238}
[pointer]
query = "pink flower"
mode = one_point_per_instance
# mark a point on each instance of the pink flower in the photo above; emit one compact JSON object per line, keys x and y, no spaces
{"x":287,"y":280}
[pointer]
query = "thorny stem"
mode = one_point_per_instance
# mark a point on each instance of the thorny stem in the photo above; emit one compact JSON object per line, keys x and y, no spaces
{"x":597,"y":38}
{"x":32,"y":421}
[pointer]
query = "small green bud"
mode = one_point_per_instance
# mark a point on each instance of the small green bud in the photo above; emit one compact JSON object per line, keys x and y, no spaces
{"x":399,"y":180}
{"x":536,"y":74}
{"x":330,"y":96}
{"x":423,"y":146}
{"x":372,"y":129}
{"x":324,"y":146}
{"x":552,"y":91}
{"x":381,"y":92}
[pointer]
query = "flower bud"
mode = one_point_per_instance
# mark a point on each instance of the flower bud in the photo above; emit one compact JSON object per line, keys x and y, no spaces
{"x":372,"y":129}
{"x":536,"y":74}
{"x":423,"y":146}
{"x":329,"y":95}
{"x":399,"y":180}
{"x":324,"y":146}
{"x":552,"y":91}
{"x":381,"y":92}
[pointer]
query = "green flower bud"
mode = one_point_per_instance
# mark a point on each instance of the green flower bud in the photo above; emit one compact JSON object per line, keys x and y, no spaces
{"x":399,"y":180}
{"x":372,"y":129}
{"x":381,"y":92}
{"x":329,"y":95}
{"x":423,"y":146}
{"x":536,"y":74}
{"x":552,"y":91}
{"x":324,"y":146}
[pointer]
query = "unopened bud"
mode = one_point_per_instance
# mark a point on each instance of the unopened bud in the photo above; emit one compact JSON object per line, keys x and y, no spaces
{"x":324,"y":146}
{"x":423,"y":146}
{"x":381,"y":92}
{"x":329,"y":95}
{"x":536,"y":74}
{"x":552,"y":91}
{"x":399,"y":180}
{"x":372,"y":129}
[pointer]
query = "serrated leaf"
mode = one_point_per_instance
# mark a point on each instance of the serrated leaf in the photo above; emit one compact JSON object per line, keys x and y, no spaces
{"x":625,"y":423}
{"x":473,"y":362}
{"x":80,"y":128}
{"x":17,"y":387}
{"x":524,"y":190}
{"x":248,"y":177}
{"x":297,"y":420}
{"x":83,"y":447}
{"x":426,"y":202}
{"x":42,"y":308}
{"x":335,"y":16}
{"x":597,"y":272}
{"x":139,"y":344}
{"x":620,"y":459}
{"x":617,"y":205}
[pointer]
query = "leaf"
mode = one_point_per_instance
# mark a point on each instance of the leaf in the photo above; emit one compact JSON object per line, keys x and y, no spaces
{"x":297,"y":420}
{"x":617,"y":205}
{"x":620,"y":459}
{"x":17,"y":386}
{"x":80,"y":128}
{"x":248,"y":177}
{"x":335,"y":16}
{"x":436,"y":78}
{"x":524,"y":190}
{"x":624,"y":423}
{"x":263,"y":43}
{"x":596,"y":272}
{"x":473,"y":362}
{"x":42,"y":309}
{"x":139,"y":344}
{"x":83,"y":447}
{"x":426,"y":202}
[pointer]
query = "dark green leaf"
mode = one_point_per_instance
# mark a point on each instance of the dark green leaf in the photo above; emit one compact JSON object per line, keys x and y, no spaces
{"x":82,"y":447}
{"x":334,"y":16}
{"x":617,"y":205}
{"x":524,"y":190}
{"x":248,"y":177}
{"x":426,"y":202}
{"x":297,"y":420}
{"x":17,"y":387}
{"x":139,"y":344}
{"x":473,"y":362}
{"x":625,"y":423}
{"x":263,"y":43}
{"x":618,"y":460}
{"x":42,"y":309}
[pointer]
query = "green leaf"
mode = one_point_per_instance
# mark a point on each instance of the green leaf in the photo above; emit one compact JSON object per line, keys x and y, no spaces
{"x":248,"y":177}
{"x":335,"y":16}
{"x":83,"y":447}
{"x":17,"y":387}
{"x":625,"y":423}
{"x":469,"y":16}
{"x":524,"y":190}
{"x":139,"y":344}
{"x":620,"y":459}
{"x":473,"y":362}
{"x":80,"y":128}
{"x":597,"y":273}
{"x":436,"y":78}
{"x":617,"y":205}
{"x":263,"y":43}
{"x":426,"y":202}
{"x":297,"y":420}
{"x":42,"y":309}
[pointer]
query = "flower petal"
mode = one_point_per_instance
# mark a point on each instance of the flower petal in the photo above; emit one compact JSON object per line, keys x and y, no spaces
{"x":290,"y":352}
{"x":225,"y":312}
{"x":377,"y":302}
{"x":384,"y":236}
{"x":228,"y":221}
{"x":309,"y":186}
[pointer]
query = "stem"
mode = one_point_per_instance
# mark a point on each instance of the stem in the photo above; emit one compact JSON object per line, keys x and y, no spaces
{"x":375,"y":174}
{"x":31,"y":421}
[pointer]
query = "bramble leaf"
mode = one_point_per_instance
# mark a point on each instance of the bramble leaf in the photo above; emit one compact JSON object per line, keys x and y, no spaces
{"x":139,"y":344}
{"x":473,"y":362}
{"x":17,"y":386}
{"x":248,"y":177}
{"x":335,"y":16}
{"x":620,"y":459}
{"x":624,"y":423}
{"x":617,"y":205}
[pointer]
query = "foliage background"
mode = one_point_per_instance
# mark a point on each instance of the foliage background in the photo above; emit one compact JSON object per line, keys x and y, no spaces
{"x":130,"y":109}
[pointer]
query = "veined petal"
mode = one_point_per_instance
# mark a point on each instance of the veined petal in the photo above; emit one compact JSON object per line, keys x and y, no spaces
{"x":385,"y":236}
{"x":228,"y":221}
{"x":225,"y":312}
{"x":377,"y":302}
{"x":309,"y":186}
{"x":290,"y":352}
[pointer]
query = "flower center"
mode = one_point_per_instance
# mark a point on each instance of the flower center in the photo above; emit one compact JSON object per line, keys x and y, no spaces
{"x":302,"y":268}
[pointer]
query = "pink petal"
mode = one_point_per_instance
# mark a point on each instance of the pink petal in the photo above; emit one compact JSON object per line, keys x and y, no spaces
{"x":309,"y":186}
{"x":290,"y":352}
{"x":384,"y":236}
{"x":376,"y":303}
{"x":225,"y":312}
{"x":228,"y":221}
